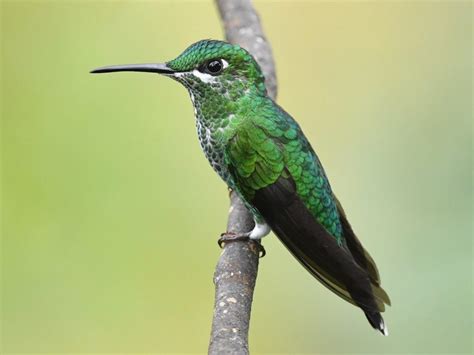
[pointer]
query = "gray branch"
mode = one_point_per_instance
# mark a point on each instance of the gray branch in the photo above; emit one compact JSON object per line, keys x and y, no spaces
{"x":236,"y":270}
{"x":242,"y":26}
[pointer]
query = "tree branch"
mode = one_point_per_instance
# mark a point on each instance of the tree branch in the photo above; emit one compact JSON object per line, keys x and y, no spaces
{"x":242,"y":26}
{"x":236,"y":270}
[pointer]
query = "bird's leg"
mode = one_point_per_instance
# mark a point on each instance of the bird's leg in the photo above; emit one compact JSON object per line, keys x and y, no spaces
{"x":258,"y":232}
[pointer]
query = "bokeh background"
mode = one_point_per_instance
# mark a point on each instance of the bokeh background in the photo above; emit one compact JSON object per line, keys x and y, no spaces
{"x":110,"y":213}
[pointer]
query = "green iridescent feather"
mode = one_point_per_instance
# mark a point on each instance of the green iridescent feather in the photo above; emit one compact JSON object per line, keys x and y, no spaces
{"x":269,"y":144}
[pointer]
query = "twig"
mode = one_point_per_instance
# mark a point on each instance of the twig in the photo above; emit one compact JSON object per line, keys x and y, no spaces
{"x":236,"y":270}
{"x":242,"y":26}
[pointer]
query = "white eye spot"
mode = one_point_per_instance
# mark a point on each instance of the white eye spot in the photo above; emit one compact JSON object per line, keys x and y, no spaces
{"x":204,"y":77}
{"x":225,"y":64}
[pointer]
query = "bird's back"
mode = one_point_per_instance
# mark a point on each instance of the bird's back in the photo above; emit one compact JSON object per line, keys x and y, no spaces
{"x":278,"y":173}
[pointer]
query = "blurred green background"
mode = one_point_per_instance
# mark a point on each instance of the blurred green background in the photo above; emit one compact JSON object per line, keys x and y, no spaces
{"x":111,"y":213}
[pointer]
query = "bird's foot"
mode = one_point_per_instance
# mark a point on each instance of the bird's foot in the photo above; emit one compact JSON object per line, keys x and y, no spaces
{"x":228,"y":237}
{"x":232,"y":237}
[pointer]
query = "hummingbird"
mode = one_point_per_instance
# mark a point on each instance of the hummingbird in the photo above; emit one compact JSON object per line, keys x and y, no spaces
{"x":262,"y":154}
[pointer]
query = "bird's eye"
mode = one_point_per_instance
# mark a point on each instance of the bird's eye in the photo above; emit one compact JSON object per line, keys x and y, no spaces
{"x":213,"y":67}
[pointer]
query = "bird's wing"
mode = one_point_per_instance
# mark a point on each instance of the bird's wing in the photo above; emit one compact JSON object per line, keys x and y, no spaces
{"x":314,"y":247}
{"x":275,"y":170}
{"x":361,"y":256}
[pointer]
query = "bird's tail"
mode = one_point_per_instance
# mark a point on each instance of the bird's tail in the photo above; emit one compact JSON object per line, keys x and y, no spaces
{"x":376,"y":321}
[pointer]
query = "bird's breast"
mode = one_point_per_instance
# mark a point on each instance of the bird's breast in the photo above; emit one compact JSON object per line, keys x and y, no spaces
{"x":213,"y":148}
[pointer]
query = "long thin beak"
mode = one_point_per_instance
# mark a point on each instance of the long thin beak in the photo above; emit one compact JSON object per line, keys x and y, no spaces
{"x":148,"y":68}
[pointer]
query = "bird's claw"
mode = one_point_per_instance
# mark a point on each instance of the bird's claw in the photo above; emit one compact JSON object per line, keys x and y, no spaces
{"x":260,"y":249}
{"x":228,"y":237}
{"x":232,"y":237}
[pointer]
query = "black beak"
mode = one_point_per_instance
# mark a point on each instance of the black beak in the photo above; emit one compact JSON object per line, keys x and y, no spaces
{"x":147,"y":68}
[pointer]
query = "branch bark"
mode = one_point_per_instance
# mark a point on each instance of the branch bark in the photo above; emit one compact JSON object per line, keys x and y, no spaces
{"x":236,"y":270}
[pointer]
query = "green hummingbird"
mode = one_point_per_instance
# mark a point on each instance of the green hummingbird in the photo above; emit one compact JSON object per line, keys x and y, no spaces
{"x":260,"y":152}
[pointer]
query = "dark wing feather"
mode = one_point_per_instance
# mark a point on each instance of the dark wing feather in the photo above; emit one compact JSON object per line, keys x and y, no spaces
{"x":314,"y":247}
{"x":361,"y":256}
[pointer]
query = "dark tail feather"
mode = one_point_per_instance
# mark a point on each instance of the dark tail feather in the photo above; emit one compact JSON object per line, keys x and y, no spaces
{"x":377,"y":322}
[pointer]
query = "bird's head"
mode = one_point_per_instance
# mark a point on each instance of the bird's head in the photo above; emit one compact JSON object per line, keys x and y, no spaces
{"x":209,"y":69}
